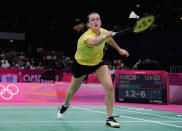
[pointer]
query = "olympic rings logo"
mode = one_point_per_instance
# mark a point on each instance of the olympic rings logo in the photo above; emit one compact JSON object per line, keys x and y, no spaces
{"x":8,"y":92}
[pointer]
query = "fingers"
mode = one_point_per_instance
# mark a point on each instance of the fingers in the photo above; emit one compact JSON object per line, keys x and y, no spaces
{"x":127,"y":54}
{"x":124,"y":52}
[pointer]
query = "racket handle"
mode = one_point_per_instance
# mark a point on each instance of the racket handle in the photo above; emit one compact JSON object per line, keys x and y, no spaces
{"x":114,"y":33}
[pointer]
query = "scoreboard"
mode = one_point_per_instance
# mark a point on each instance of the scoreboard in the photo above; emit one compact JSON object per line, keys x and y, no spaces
{"x":141,"y":86}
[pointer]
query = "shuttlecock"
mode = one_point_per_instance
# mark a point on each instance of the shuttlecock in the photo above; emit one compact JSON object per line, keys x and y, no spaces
{"x":133,"y":15}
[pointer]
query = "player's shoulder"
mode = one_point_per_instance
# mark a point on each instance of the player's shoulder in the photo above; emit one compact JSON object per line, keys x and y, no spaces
{"x":103,"y":30}
{"x":85,"y":35}
{"x":89,"y":32}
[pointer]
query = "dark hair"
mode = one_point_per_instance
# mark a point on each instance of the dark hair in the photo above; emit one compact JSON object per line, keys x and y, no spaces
{"x":91,"y":14}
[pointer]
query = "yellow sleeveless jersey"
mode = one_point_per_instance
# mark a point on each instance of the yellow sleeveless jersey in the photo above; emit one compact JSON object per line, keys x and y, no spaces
{"x":87,"y":54}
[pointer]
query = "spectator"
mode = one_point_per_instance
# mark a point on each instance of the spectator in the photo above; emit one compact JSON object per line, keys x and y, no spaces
{"x":5,"y":63}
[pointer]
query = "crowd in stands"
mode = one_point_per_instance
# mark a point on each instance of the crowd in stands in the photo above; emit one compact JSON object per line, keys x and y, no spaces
{"x":44,"y":58}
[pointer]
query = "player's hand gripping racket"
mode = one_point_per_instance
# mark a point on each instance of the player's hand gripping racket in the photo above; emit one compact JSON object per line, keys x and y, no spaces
{"x":141,"y":25}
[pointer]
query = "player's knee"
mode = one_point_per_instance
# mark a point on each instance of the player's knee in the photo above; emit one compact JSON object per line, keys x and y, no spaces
{"x":109,"y":89}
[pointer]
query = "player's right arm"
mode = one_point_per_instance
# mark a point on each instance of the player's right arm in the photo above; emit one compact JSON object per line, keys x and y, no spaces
{"x":99,"y":40}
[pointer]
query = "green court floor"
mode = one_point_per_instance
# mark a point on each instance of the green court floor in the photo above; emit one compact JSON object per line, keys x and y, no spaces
{"x":86,"y":118}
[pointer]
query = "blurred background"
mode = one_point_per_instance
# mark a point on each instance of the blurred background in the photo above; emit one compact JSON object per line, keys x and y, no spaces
{"x":37,"y":31}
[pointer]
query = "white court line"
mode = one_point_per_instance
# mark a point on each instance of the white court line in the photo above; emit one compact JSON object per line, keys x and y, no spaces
{"x":140,"y":109}
{"x":58,"y":121}
{"x":143,"y":120}
{"x":135,"y":108}
{"x":148,"y":114}
{"x":130,"y":108}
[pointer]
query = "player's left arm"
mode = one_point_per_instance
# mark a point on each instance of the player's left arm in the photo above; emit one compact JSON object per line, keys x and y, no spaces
{"x":115,"y":45}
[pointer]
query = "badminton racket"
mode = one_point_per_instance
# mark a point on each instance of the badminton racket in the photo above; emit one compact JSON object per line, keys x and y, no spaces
{"x":141,"y":25}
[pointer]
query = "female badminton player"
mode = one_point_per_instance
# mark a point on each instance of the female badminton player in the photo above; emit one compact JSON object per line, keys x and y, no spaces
{"x":88,"y":59}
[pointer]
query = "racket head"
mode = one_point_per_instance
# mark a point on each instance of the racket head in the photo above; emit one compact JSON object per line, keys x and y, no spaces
{"x":143,"y":23}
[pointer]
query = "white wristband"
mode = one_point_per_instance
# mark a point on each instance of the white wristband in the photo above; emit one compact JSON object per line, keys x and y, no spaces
{"x":104,"y":37}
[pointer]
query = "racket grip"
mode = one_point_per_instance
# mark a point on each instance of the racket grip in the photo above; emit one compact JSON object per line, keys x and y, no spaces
{"x":114,"y":33}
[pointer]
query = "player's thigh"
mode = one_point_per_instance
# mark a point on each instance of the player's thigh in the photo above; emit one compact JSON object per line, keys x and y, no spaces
{"x":104,"y":76}
{"x":76,"y":82}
